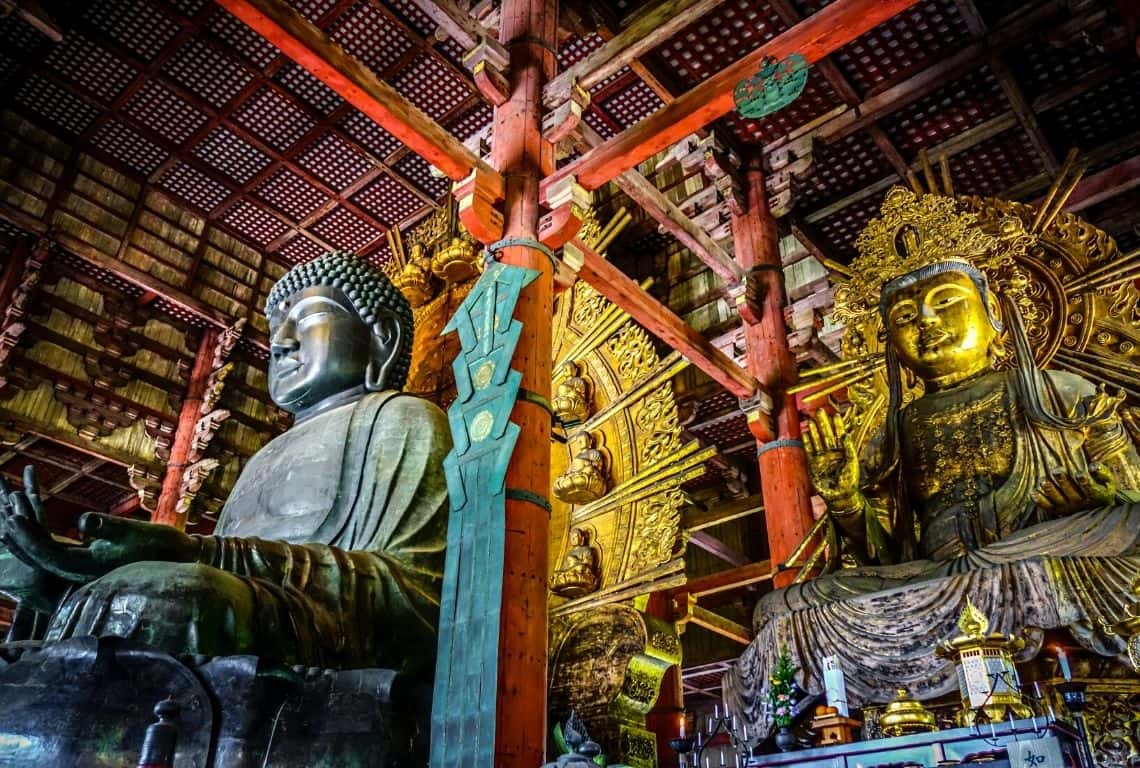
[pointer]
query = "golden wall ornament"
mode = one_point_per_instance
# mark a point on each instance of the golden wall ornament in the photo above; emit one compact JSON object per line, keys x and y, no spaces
{"x":571,"y":401}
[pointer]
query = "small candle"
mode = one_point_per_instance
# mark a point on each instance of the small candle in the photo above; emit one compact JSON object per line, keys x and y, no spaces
{"x":1063,"y":661}
{"x":722,"y":757}
{"x":682,"y":725}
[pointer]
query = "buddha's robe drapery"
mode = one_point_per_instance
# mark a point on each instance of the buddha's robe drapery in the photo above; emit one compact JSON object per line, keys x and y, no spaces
{"x":329,"y":551}
{"x":884,"y":622}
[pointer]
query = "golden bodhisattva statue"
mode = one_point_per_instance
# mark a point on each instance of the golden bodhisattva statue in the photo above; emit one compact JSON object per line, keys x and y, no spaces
{"x":986,"y":476}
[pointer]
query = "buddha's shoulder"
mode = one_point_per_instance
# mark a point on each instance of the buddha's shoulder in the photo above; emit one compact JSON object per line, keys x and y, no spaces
{"x":410,"y":412}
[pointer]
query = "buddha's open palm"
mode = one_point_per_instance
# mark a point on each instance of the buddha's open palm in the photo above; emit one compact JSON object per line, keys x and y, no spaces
{"x":833,"y":461}
{"x":113,"y":541}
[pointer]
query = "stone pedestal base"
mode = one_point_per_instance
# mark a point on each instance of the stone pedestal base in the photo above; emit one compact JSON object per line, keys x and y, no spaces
{"x":87,"y":702}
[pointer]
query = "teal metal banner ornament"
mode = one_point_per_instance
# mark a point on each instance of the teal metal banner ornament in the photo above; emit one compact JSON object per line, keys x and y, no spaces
{"x":467,"y":665}
{"x":775,"y":86}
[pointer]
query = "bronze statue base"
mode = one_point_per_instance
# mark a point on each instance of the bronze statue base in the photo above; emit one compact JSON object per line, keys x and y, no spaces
{"x":87,"y":702}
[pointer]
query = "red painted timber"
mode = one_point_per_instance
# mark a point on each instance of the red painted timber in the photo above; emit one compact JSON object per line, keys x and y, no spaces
{"x":529,"y":31}
{"x":784,"y":482}
{"x":304,"y":43}
{"x":166,"y":512}
{"x":814,"y":38}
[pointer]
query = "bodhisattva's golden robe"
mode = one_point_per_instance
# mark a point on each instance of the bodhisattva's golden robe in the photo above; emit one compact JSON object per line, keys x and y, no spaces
{"x":341,"y":572}
{"x":970,"y":464}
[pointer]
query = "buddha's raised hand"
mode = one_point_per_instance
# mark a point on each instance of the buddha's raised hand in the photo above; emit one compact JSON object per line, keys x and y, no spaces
{"x":833,"y":461}
{"x":114,"y":541}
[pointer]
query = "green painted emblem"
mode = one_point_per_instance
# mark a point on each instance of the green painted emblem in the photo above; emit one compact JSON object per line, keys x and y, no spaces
{"x":775,"y":86}
{"x":467,"y":665}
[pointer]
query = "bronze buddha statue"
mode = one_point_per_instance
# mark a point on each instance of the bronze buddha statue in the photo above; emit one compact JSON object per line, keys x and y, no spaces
{"x":329,"y":550}
{"x":988,"y":477}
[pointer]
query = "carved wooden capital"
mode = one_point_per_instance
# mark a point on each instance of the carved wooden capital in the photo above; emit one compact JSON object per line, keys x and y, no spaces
{"x":477,"y":197}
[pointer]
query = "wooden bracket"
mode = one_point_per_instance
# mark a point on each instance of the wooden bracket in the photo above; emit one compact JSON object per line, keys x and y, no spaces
{"x":477,"y":197}
{"x":743,"y":298}
{"x":488,"y":62}
{"x":564,"y":120}
{"x":569,"y":202}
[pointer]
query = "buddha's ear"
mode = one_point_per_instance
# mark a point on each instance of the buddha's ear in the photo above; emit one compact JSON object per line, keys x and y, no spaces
{"x":387,"y":338}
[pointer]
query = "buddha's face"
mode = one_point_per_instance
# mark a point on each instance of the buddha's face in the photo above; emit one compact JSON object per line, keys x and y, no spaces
{"x":319,"y":347}
{"x":940,"y":328}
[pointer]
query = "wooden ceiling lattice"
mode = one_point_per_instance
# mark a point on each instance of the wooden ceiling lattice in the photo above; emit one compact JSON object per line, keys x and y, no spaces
{"x":840,"y":168}
{"x":1105,"y":114}
{"x":949,"y":111}
{"x":995,"y":165}
{"x":727,"y":33}
{"x":903,"y":45}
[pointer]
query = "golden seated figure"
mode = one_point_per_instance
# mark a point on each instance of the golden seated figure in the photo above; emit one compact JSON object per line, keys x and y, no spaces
{"x":571,"y":404}
{"x":584,"y":480}
{"x":414,"y":280}
{"x":988,"y":476}
{"x":578,"y":575}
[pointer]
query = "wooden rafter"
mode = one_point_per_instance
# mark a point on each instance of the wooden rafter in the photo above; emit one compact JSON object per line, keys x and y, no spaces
{"x":717,"y":548}
{"x":656,"y":318}
{"x":726,"y":581}
{"x":1105,"y":185}
{"x":834,"y":26}
{"x":648,"y":29}
{"x":459,"y":25}
{"x":1021,"y":107}
{"x":310,"y":47}
{"x":697,"y":519}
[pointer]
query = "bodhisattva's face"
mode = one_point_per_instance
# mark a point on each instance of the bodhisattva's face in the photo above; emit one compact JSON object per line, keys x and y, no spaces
{"x":940,"y":329}
{"x":319,"y":347}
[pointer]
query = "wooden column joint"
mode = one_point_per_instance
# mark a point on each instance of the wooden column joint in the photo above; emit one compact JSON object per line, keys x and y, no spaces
{"x":570,"y":202}
{"x":488,"y":62}
{"x":478,"y":197}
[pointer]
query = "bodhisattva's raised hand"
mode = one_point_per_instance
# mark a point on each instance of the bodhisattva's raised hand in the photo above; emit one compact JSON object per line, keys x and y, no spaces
{"x":115,"y":541}
{"x":833,"y":461}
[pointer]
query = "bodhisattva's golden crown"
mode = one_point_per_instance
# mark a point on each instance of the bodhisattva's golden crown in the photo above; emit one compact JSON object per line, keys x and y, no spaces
{"x":914,"y":230}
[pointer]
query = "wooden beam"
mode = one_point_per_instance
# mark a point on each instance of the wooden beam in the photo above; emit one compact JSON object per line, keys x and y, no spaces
{"x":697,"y":519}
{"x":1104,"y":185}
{"x":648,"y":29}
{"x":459,"y":25}
{"x":656,"y":318}
{"x":312,"y":49}
{"x":644,"y":192}
{"x":727,"y":581}
{"x":714,"y":622}
{"x":834,"y":26}
{"x":716,"y":548}
{"x":1021,"y":107}
{"x":120,"y":269}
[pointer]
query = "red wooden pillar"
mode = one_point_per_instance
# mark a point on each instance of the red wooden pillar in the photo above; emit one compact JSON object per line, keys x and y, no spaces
{"x":784,"y":481}
{"x":13,"y":271}
{"x":529,"y":32}
{"x":166,"y":512}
